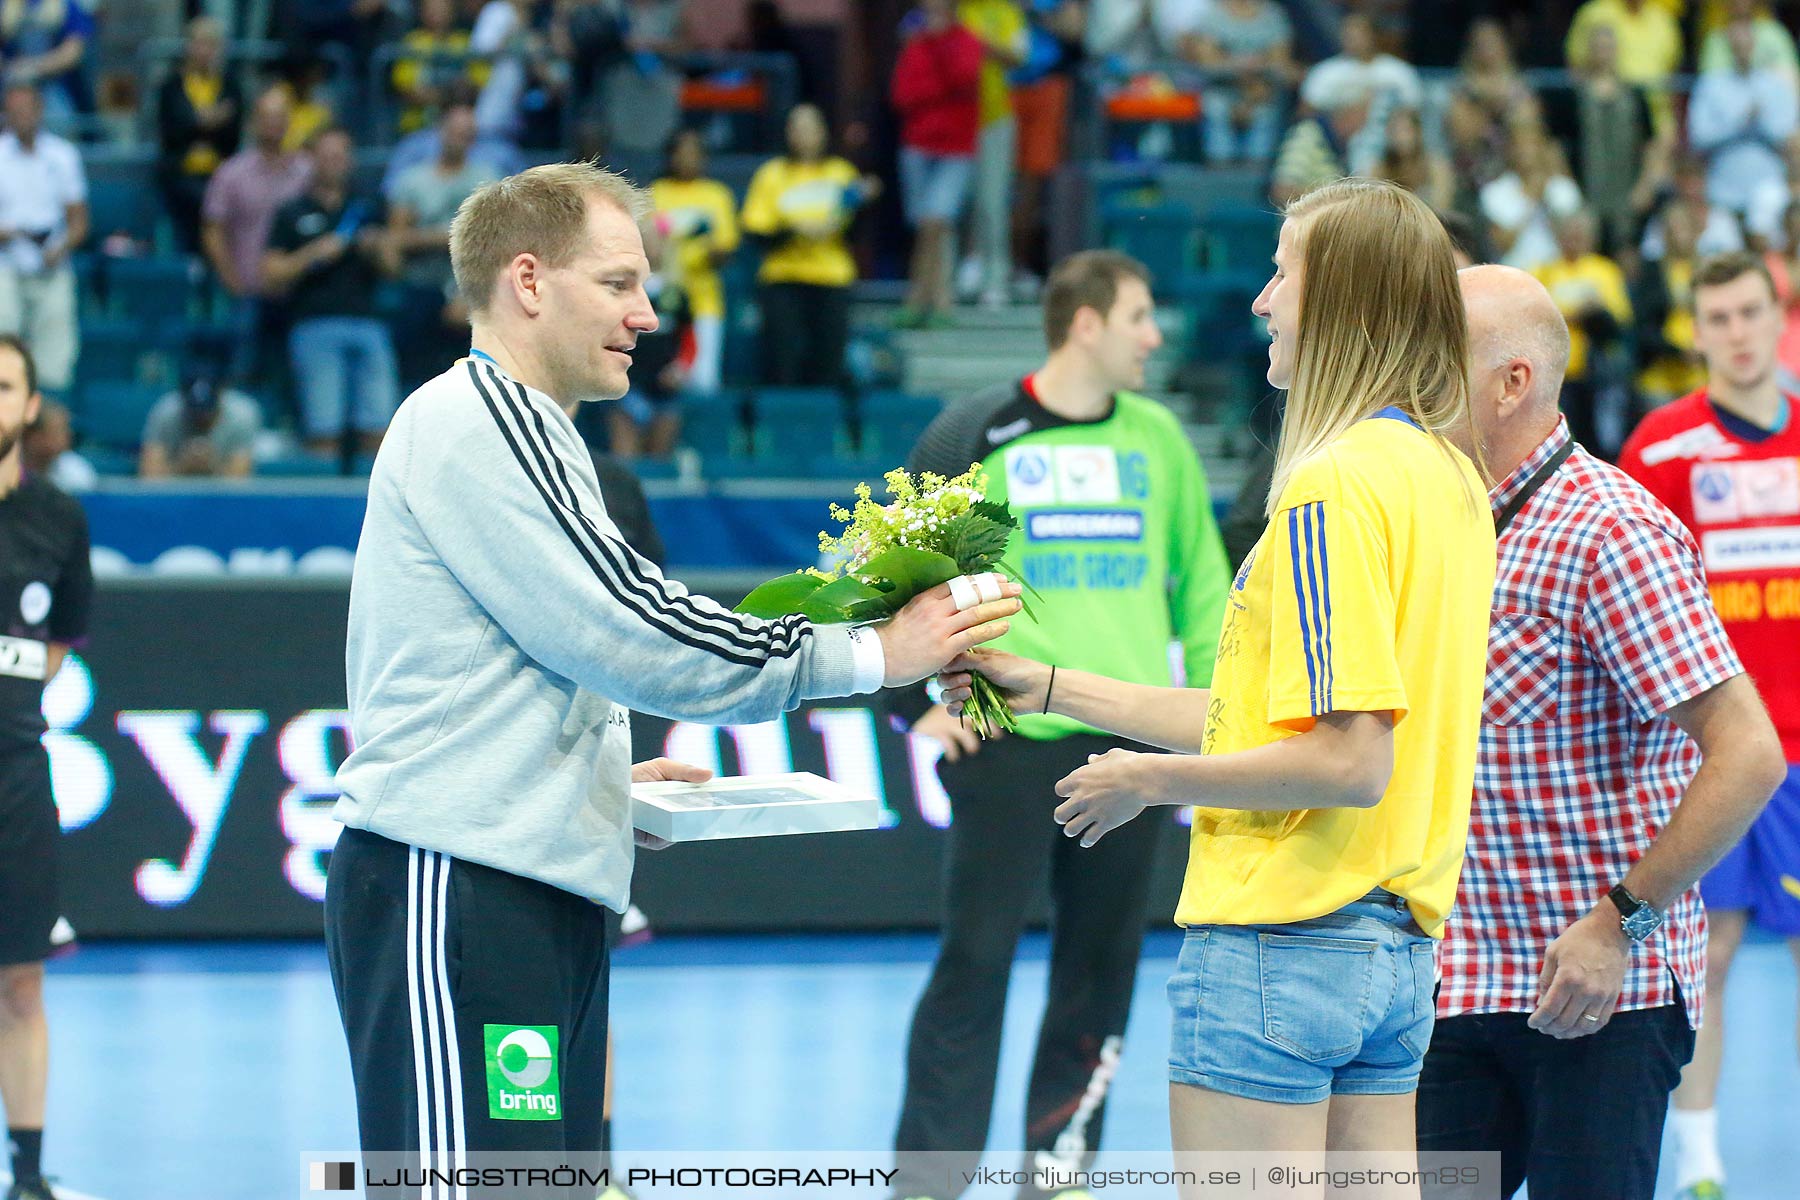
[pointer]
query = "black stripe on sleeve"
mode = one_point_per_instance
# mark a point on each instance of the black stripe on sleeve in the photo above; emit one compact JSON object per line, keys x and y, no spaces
{"x":665,"y":623}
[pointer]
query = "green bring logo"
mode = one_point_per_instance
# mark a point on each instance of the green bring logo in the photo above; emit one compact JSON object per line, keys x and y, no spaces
{"x":523,"y":1082}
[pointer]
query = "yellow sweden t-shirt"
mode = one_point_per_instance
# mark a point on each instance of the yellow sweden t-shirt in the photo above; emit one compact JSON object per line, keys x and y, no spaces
{"x":783,"y":192}
{"x":690,"y":205}
{"x":1369,"y":591}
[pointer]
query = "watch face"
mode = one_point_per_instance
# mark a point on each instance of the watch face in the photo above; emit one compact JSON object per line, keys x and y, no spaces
{"x":1642,"y":923}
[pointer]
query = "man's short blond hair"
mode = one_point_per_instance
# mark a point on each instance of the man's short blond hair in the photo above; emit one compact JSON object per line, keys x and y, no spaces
{"x":541,"y":211}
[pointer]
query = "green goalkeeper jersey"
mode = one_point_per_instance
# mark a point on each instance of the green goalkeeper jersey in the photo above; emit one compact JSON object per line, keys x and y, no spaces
{"x":1116,"y":534}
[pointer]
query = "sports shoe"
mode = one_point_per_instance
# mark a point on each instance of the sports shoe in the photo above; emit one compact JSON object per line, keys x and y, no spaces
{"x":1706,"y":1189}
{"x":30,"y":1189}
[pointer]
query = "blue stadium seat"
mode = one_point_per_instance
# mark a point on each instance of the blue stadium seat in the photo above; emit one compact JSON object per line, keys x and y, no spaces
{"x":111,"y":351}
{"x":112,"y":412}
{"x":713,"y":424}
{"x":159,"y":291}
{"x":892,"y":423}
{"x":118,"y":205}
{"x":1240,"y":238}
{"x":1162,"y":235}
{"x":793,"y":426}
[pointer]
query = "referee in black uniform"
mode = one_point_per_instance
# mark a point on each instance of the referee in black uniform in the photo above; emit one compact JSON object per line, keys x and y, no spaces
{"x":45,"y":589}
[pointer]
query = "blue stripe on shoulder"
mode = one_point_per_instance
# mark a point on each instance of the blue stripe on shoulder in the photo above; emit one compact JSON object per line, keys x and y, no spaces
{"x":1396,"y":414}
{"x":1296,"y":552}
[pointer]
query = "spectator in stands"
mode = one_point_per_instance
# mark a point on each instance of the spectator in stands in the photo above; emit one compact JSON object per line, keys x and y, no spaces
{"x":1315,"y":150}
{"x":303,"y":77}
{"x":326,"y":253}
{"x":1648,"y":39}
{"x":699,"y":218}
{"x":241,"y":200}
{"x":1720,"y":230}
{"x":1523,"y":205}
{"x":1249,"y":43}
{"x":936,"y":89}
{"x":640,"y":97}
{"x":199,"y":111}
{"x":523,"y":87}
{"x":647,"y":419}
{"x":1137,"y":33}
{"x":1618,"y":156}
{"x":433,"y":59}
{"x":490,"y":149}
{"x":1360,"y":68}
{"x":203,"y":428}
{"x":49,"y":450}
{"x":1488,"y":77}
{"x":1772,"y":46}
{"x":44,"y":43}
{"x":798,"y":207}
{"x":43,"y":220}
{"x":1742,"y":116}
{"x":1041,"y":92}
{"x":1784,"y":270}
{"x":1663,"y":301}
{"x":1409,"y":162}
{"x":1589,"y":291}
{"x":1000,"y":27}
{"x":419,"y":209}
{"x":357,"y":25}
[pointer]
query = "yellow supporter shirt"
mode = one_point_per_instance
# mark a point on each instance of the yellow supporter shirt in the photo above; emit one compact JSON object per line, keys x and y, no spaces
{"x":202,"y":92}
{"x":1649,"y":39}
{"x":1369,"y":591}
{"x":702,"y":217}
{"x":1577,"y":284}
{"x":420,"y":52}
{"x":995,"y":23}
{"x":784,"y":195}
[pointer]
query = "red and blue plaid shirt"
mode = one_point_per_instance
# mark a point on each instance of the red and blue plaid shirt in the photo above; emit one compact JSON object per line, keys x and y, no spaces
{"x":1601,"y":623}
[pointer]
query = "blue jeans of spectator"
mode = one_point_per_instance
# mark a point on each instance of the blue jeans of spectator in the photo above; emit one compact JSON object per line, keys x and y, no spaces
{"x":345,"y":370}
{"x":1578,"y":1120}
{"x":1226,"y":141}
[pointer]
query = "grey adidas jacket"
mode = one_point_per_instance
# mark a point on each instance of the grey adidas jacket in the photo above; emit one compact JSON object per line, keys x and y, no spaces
{"x":500,"y":629}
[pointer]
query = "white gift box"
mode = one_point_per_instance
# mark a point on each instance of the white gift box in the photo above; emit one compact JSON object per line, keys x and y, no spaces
{"x":750,"y":806}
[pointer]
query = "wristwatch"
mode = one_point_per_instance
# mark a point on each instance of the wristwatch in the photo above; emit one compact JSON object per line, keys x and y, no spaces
{"x":1638,"y":918}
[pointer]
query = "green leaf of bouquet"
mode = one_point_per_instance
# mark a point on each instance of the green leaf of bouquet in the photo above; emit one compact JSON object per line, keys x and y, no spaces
{"x":780,"y":597}
{"x":978,"y":543}
{"x":846,"y":599}
{"x":910,"y":570}
{"x":996,"y":512}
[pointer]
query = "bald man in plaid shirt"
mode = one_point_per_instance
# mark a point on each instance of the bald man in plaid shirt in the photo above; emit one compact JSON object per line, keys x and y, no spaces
{"x":1623,"y":752}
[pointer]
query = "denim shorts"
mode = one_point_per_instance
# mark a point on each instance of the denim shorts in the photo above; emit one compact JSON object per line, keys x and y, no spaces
{"x":934,"y":187}
{"x":1339,"y":1005}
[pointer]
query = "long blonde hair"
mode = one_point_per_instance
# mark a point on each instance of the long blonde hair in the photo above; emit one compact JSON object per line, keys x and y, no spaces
{"x":1381,"y":322}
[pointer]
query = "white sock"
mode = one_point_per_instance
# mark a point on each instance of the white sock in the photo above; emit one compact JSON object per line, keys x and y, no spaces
{"x":1696,"y":1134}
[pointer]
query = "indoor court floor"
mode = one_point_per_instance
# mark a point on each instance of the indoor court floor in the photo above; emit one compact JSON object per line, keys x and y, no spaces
{"x":206,"y":1071}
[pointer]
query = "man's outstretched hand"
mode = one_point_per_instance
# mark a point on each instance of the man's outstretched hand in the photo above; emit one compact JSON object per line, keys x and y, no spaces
{"x":925,"y":635}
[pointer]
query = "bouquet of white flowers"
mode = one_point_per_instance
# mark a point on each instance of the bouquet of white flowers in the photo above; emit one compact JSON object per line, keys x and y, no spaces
{"x":933,"y":531}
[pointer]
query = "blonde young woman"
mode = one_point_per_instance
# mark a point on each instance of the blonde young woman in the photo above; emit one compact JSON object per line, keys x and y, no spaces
{"x":1333,"y":757}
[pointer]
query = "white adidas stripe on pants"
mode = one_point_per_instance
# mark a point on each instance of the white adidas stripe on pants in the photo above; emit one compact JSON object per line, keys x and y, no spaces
{"x":437,"y":1069}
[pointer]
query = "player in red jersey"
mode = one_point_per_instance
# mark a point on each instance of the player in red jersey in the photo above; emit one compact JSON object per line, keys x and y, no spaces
{"x":1726,"y":460}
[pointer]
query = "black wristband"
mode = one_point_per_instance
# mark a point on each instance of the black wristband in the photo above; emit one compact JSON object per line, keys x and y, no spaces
{"x":1048,"y":687}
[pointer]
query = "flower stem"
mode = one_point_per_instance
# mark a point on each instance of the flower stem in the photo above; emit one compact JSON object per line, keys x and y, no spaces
{"x":987,"y":709}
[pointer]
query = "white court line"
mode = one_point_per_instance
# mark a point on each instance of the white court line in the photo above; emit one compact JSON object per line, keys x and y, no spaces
{"x":62,"y":1193}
